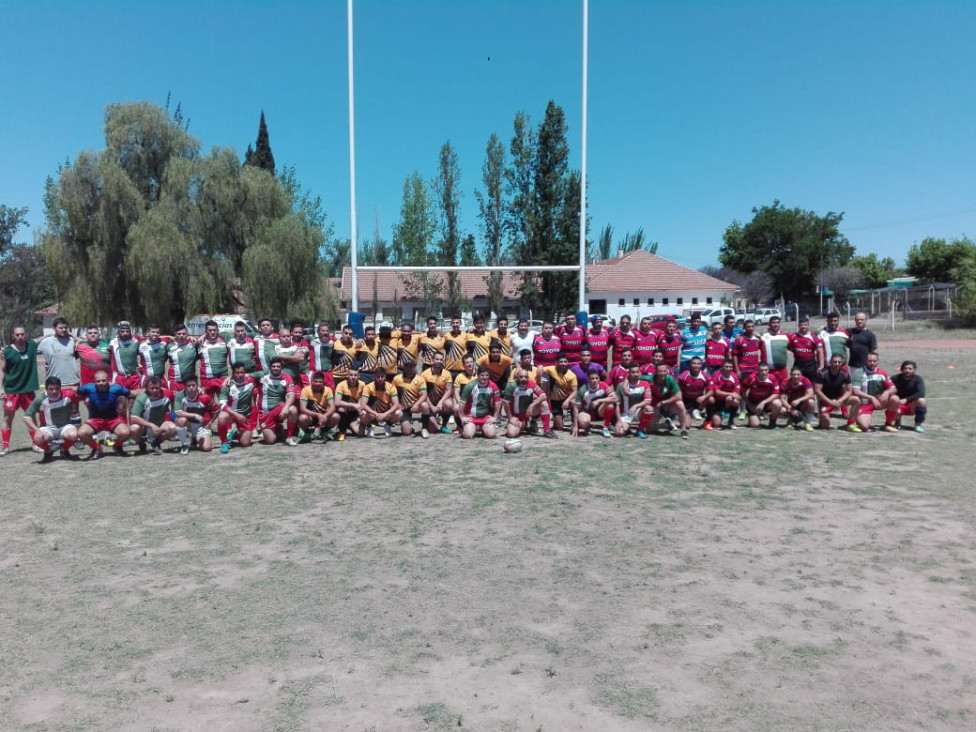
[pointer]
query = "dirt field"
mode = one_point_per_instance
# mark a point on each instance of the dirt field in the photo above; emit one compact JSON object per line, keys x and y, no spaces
{"x":741,"y":580}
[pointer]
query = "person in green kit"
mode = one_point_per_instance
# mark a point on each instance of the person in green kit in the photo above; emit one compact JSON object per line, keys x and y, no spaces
{"x":18,"y":380}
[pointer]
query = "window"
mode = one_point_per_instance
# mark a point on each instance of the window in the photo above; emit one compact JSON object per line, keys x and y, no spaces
{"x":708,"y":301}
{"x":680,"y":301}
{"x":343,"y":304}
{"x":694,"y":301}
{"x":664,"y":301}
{"x":636,"y":302}
{"x":621,"y":302}
{"x":650,"y":301}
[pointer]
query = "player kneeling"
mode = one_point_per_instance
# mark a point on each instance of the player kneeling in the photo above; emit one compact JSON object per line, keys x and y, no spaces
{"x":762,"y":397}
{"x":52,"y":412}
{"x":151,"y":417}
{"x":194,"y":413}
{"x":667,"y":405}
{"x":524,"y":399}
{"x":481,"y":407}
{"x":316,"y":409}
{"x":276,"y":401}
{"x":595,"y":400}
{"x":799,"y":402}
{"x":238,"y":415}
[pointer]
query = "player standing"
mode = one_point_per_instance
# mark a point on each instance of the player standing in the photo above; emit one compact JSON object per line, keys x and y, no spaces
{"x":18,"y":380}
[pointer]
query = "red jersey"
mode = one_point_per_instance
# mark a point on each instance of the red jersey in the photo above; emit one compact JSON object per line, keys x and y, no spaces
{"x":758,"y":389}
{"x":572,"y":341}
{"x":644,"y":346}
{"x":599,"y":345}
{"x":621,"y":341}
{"x":545,"y":351}
{"x":796,"y":390}
{"x":618,"y":375}
{"x":716,"y":352}
{"x":94,"y":358}
{"x":728,"y":383}
{"x":692,"y":386}
{"x":748,"y":352}
{"x":671,"y":346}
{"x":804,"y":347}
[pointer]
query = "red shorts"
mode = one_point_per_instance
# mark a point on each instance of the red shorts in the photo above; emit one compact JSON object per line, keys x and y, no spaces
{"x":174,"y":385}
{"x":479,"y":421}
{"x":329,"y":381}
{"x":270,"y":420}
{"x":781,"y":375}
{"x":212,"y":386}
{"x":826,"y":409}
{"x":306,"y":379}
{"x":132,"y":382}
{"x":249,"y":423}
{"x":906,"y":408}
{"x":867,"y":408}
{"x":104,"y":425}
{"x":13,"y":402}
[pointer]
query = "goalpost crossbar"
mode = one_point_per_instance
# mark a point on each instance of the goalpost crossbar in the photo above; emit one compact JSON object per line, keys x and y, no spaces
{"x":485,"y":268}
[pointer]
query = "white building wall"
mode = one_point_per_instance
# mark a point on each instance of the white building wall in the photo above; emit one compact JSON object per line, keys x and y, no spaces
{"x":678,"y":302}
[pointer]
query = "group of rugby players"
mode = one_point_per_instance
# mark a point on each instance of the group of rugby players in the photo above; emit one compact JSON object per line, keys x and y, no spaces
{"x":279,"y":386}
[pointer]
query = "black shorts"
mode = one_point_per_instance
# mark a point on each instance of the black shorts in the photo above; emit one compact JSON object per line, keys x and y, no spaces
{"x":346,"y":419}
{"x":556,"y":407}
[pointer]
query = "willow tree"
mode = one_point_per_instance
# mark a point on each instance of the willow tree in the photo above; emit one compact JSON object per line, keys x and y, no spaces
{"x":150,"y":230}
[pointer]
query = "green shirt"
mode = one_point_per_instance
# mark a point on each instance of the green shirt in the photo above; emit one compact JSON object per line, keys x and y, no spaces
{"x":153,"y":410}
{"x":21,"y":369}
{"x":52,"y":413}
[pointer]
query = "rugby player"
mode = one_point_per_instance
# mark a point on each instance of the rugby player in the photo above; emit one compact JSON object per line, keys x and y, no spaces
{"x":368,"y":355}
{"x":440,"y":390}
{"x":498,"y":364}
{"x":863,"y":342}
{"x":645,"y":342}
{"x":622,"y":338}
{"x":524,"y":400}
{"x":343,"y":355}
{"x":909,"y":398}
{"x":48,"y":419}
{"x":18,"y":380}
{"x":670,"y":344}
{"x":834,"y":339}
{"x":153,"y":354}
{"x":595,"y":400}
{"x":242,"y":349}
{"x":667,"y":404}
{"x":481,"y":407}
{"x":265,"y":345}
{"x":693,"y":341}
{"x":762,"y":397}
{"x":379,"y":405}
{"x":125,"y":361}
{"x":874,"y":388}
{"x":213,"y":353}
{"x":464,"y":382}
{"x":102,"y":399}
{"x":598,"y":342}
{"x":411,"y":390}
{"x":183,"y":355}
{"x":93,"y":354}
{"x":586,"y":365}
{"x":479,"y":340}
{"x":717,"y":350}
{"x":546,"y":347}
{"x":194,"y":411}
{"x":432,"y":342}
{"x":695,"y":392}
{"x":503,"y":336}
{"x":621,"y":369}
{"x":633,"y":398}
{"x":61,"y":355}
{"x":238,"y":416}
{"x":522,"y":338}
{"x":316,"y":409}
{"x":320,"y":351}
{"x":276,"y":402}
{"x":572,"y":337}
{"x":730,"y":331}
{"x":563,"y":386}
{"x":726,"y":395}
{"x":775,"y":349}
{"x":407,"y":346}
{"x":455,"y":347}
{"x":807,"y":349}
{"x":834,"y":389}
{"x":799,"y":402}
{"x":348,"y":395}
{"x":150,"y":417}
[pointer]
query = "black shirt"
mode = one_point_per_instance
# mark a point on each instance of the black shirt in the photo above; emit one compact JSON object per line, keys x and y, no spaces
{"x":863,"y":342}
{"x":833,"y":384}
{"x":909,"y":389}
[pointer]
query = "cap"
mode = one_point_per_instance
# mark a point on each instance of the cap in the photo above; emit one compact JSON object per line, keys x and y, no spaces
{"x":124,"y":324}
{"x":386,"y":324}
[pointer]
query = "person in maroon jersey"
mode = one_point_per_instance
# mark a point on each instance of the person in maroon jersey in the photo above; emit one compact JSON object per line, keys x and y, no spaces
{"x":598,"y":341}
{"x":799,"y":402}
{"x":618,"y":374}
{"x":747,"y":351}
{"x":717,"y":349}
{"x":572,"y":337}
{"x":622,"y":338}
{"x":807,"y":349}
{"x":762,"y":397}
{"x":670,"y":345}
{"x":726,"y":396}
{"x":546,"y":347}
{"x":596,"y":400}
{"x":645,"y":342}
{"x":695,"y":392}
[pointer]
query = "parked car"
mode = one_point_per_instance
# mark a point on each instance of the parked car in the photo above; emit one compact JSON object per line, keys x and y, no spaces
{"x":761,"y":316}
{"x":718,"y":315}
{"x":790,"y":311}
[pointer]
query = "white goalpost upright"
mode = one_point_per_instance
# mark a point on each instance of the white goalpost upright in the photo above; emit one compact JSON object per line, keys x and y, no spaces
{"x":356,"y":268}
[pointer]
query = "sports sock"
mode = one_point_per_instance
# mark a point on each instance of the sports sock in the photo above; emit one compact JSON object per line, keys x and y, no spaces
{"x":645,"y":419}
{"x":920,"y":414}
{"x":92,"y":443}
{"x":608,"y":419}
{"x":891,"y":417}
{"x":289,"y":429}
{"x":222,"y":432}
{"x":5,"y":435}
{"x":546,"y":418}
{"x":181,"y":434}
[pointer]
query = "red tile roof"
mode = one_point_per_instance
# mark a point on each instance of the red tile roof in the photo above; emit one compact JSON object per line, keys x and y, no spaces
{"x":642,"y":271}
{"x":392,"y":286}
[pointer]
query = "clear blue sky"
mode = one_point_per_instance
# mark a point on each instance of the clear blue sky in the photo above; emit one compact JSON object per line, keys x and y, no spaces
{"x":697,"y":111}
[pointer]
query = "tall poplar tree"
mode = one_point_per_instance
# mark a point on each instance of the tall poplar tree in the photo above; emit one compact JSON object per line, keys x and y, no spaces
{"x":261,"y":156}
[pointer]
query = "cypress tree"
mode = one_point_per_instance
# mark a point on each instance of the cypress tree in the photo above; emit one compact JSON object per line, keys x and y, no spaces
{"x":261,"y":156}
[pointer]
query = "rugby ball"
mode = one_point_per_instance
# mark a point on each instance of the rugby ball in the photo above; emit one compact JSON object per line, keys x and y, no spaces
{"x":513,"y":445}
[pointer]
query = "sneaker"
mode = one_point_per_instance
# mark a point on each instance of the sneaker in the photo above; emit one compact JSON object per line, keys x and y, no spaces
{"x":853,"y":428}
{"x":919,"y":428}
{"x":708,"y":426}
{"x":109,"y":442}
{"x":157,"y":449}
{"x":232,"y":434}
{"x":890,"y":428}
{"x":225,"y":448}
{"x":369,"y":431}
{"x":317,"y":434}
{"x":291,"y":442}
{"x":35,"y":448}
{"x":606,"y":432}
{"x":550,"y":435}
{"x":341,"y":437}
{"x":388,"y":429}
{"x":143,"y":448}
{"x":732,"y":425}
{"x":808,"y":427}
{"x":4,"y":451}
{"x":303,"y":436}
{"x":684,"y":434}
{"x":696,"y":414}
{"x":184,"y":449}
{"x":119,"y":450}
{"x":447,"y":431}
{"x":668,"y":424}
{"x":424,"y":433}
{"x":95,"y":454}
{"x":47,"y":457}
{"x":66,"y":454}
{"x":641,"y":434}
